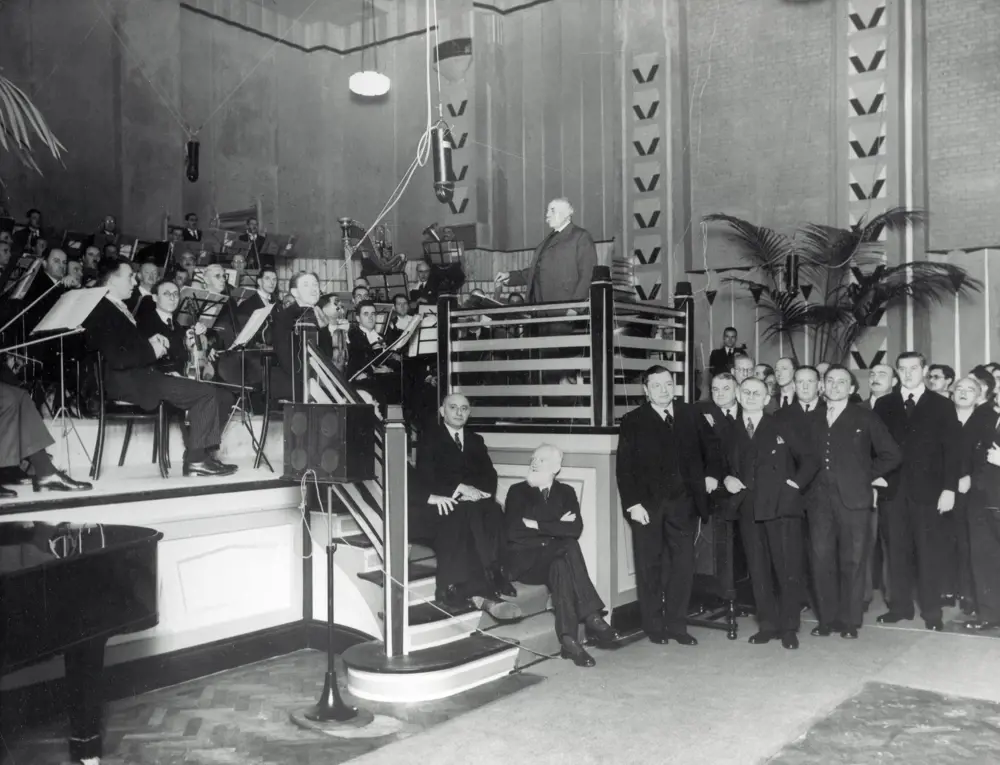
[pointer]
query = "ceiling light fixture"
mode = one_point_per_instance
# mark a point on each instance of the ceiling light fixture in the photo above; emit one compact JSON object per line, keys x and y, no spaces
{"x":369,"y":83}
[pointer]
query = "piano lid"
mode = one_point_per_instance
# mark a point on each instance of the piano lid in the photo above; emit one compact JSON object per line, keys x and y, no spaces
{"x":29,"y":545}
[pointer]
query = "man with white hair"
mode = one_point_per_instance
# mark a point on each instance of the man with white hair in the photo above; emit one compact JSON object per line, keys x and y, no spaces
{"x":544,"y":525}
{"x":563,"y":264}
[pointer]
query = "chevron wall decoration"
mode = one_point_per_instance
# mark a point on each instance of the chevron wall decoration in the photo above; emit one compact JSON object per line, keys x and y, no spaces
{"x":866,"y":187}
{"x":455,"y":61}
{"x":647,"y":142}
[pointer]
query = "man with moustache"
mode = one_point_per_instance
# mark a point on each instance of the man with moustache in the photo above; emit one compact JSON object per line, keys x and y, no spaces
{"x":881,"y":381}
{"x":661,"y":479}
{"x":920,"y":490}
{"x":542,"y":517}
{"x":769,"y":467}
{"x":978,"y":424}
{"x":456,"y":485}
{"x":856,"y":449}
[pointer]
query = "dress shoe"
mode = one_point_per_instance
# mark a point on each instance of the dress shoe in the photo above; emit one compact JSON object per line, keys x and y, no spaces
{"x":759,"y":638}
{"x":451,"y":601}
{"x":680,"y":637}
{"x":821,"y":630}
{"x":59,"y":481}
{"x":890,"y":618}
{"x":968,"y":606}
{"x":849,"y":633}
{"x":502,"y":584}
{"x":206,"y":468}
{"x":503,"y":611}
{"x":571,"y":649}
{"x":603,"y":633}
{"x":935,"y":625}
{"x":6,"y":493}
{"x":948,"y":600}
{"x":979,"y":626}
{"x":220,"y":464}
{"x":790,"y":641}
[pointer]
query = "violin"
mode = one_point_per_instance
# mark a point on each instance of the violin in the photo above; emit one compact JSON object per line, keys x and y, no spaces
{"x":199,"y":367}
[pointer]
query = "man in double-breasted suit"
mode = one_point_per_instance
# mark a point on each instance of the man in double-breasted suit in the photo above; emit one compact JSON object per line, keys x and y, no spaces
{"x":770,"y":466}
{"x":855,"y":449}
{"x":927,"y":430}
{"x":563,"y":264}
{"x":456,"y":509}
{"x":722,"y":414}
{"x":661,"y":479}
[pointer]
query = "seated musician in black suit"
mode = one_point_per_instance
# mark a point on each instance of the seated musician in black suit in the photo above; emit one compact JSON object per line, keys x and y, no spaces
{"x":148,"y":277}
{"x":364,"y":345}
{"x":400,"y":319}
{"x":23,"y":436}
{"x":455,"y":510}
{"x":24,"y":240}
{"x":252,"y":236}
{"x":543,"y":522}
{"x":131,"y":374}
{"x":107,"y":235}
{"x":424,"y":293}
{"x":267,"y":286}
{"x":770,"y":465}
{"x":191,"y":231}
{"x":300,"y":316}
{"x":157,"y":316}
{"x":226,"y":327}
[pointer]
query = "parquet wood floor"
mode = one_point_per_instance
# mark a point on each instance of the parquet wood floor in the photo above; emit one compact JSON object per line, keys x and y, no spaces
{"x":241,"y":717}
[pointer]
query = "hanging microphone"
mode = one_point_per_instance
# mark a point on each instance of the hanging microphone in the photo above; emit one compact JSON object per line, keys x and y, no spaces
{"x":192,"y":160}
{"x":444,"y":179}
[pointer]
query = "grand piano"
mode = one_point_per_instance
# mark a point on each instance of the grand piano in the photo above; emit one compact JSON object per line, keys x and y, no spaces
{"x":65,"y":589}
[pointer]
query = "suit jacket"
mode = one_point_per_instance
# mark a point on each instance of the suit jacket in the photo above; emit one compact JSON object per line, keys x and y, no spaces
{"x":719,"y":436}
{"x":360,"y":351}
{"x":24,"y":240}
{"x":441,"y":466}
{"x":129,"y":359}
{"x":525,"y":501}
{"x":931,"y":440}
{"x":776,"y":454}
{"x":427,"y":292}
{"x":150,"y":323}
{"x":191,"y":236}
{"x":561,"y":268}
{"x":641,"y":453}
{"x":288,"y":347}
{"x":254,"y":303}
{"x":39,"y":286}
{"x":855,"y":451}
{"x":136,"y":300}
{"x":720,"y":361}
{"x":978,"y":430}
{"x":798,"y":418}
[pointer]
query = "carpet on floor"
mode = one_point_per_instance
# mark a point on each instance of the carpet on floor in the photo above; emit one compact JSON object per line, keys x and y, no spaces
{"x":891,"y":724}
{"x":241,"y":717}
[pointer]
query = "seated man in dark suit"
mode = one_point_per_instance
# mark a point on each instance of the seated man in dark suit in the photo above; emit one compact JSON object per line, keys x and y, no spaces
{"x":364,"y":345}
{"x":131,"y":374}
{"x":543,"y":523}
{"x":157,"y":316}
{"x":456,"y":510}
{"x":856,"y":449}
{"x":267,"y":286}
{"x":290,"y":324}
{"x":191,"y":231}
{"x":23,"y":436}
{"x":770,"y":465}
{"x":107,"y":234}
{"x":24,"y":240}
{"x":722,"y":359}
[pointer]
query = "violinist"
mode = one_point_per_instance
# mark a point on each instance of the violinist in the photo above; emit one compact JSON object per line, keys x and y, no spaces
{"x":224,"y":332}
{"x":301,"y":315}
{"x":158,"y":317}
{"x":364,"y":345}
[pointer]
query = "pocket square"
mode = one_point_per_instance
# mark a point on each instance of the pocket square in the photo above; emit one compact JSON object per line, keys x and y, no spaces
{"x":780,"y":440}
{"x":711,"y":420}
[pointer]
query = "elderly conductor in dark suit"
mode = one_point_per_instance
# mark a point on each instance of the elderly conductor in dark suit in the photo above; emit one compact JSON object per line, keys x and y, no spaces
{"x":563,"y":263}
{"x":544,"y":525}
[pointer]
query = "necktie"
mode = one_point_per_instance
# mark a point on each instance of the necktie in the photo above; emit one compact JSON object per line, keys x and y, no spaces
{"x":458,"y":442}
{"x":170,"y":323}
{"x":784,"y":401}
{"x":730,"y":416}
{"x":910,"y":405}
{"x":749,"y":427}
{"x":668,"y":420}
{"x":545,"y":494}
{"x":830,"y":415}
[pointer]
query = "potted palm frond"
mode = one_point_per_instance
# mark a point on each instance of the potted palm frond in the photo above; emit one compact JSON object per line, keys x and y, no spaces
{"x":834,"y":283}
{"x":20,"y":120}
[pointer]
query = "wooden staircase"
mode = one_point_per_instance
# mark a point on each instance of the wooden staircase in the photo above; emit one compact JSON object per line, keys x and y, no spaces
{"x":446,"y":653}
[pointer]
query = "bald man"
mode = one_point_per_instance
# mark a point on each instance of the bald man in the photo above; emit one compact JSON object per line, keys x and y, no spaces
{"x":456,"y":511}
{"x":563,"y":264}
{"x":543,"y":523}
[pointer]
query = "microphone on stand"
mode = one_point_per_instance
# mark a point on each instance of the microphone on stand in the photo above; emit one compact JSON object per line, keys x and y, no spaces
{"x":442,"y":145}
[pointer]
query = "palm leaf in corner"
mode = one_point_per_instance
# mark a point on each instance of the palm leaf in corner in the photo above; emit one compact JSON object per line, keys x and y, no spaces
{"x":20,"y":121}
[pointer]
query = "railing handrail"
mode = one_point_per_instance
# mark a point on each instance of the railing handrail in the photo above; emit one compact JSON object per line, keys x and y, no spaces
{"x":526,"y":308}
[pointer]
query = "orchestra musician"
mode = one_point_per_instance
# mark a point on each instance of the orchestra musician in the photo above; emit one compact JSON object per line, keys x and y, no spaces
{"x":157,"y":316}
{"x":301,"y":314}
{"x":191,"y":231}
{"x":364,"y":345}
{"x":256,"y":240}
{"x":25,"y":239}
{"x":131,"y":374}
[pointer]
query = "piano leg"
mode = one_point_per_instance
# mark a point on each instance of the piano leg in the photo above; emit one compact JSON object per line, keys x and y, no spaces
{"x":84,"y":685}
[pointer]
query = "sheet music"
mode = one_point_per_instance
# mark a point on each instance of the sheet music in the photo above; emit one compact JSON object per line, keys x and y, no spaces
{"x":199,"y":305}
{"x":253,"y":325}
{"x":71,"y":309}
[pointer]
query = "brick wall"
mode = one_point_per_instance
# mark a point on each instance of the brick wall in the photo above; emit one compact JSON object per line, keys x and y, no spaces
{"x":963,"y":101}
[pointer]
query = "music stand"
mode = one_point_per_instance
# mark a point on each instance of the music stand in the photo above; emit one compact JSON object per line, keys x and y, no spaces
{"x":156,"y":252}
{"x":199,"y":305}
{"x":254,"y":324}
{"x":424,"y":341}
{"x":383,"y":287}
{"x":66,"y":318}
{"x":394,"y":347}
{"x":22,"y":276}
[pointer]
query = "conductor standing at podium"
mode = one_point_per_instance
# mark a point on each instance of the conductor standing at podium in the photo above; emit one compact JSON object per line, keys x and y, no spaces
{"x":563,"y":264}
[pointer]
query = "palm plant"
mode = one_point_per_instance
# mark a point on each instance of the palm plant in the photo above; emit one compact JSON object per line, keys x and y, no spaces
{"x":19,"y":119}
{"x":846,"y":269}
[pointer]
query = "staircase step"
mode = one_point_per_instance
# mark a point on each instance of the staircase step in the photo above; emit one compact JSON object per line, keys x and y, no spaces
{"x":428,"y":613}
{"x":417,"y":571}
{"x":370,"y":656}
{"x":537,"y":632}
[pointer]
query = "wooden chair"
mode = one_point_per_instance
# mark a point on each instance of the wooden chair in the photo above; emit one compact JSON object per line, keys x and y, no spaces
{"x":130,"y":414}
